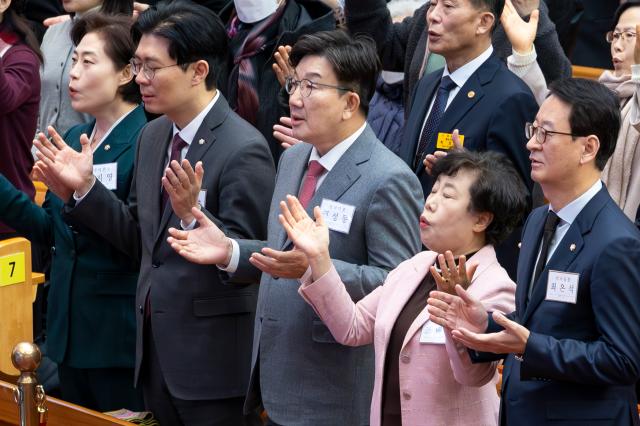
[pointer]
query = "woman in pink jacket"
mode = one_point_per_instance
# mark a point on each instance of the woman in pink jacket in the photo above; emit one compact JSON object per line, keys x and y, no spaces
{"x":421,"y":376}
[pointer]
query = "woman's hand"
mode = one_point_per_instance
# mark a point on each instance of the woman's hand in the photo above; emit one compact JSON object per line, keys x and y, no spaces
{"x":451,"y":274}
{"x":309,"y":236}
{"x":521,"y":34}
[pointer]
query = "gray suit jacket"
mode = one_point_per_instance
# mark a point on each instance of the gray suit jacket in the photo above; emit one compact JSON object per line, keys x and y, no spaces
{"x":202,"y":328}
{"x":305,"y":376}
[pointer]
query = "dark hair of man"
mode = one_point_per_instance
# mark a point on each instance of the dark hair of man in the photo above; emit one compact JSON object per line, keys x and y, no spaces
{"x":18,"y":24}
{"x":623,"y":8}
{"x":194,"y":33}
{"x":595,"y":110}
{"x":497,"y":189}
{"x":493,"y":6}
{"x":354,"y":60}
{"x":115,"y":33}
{"x":117,"y":7}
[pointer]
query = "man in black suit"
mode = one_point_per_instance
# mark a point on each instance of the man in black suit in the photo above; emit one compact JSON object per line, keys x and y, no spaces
{"x":194,"y":334}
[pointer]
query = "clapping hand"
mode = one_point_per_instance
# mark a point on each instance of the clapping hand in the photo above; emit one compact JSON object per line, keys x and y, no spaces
{"x":521,"y":34}
{"x":511,"y":340}
{"x":431,"y":159}
{"x":457,"y":311}
{"x":284,"y":133}
{"x":182,"y":184}
{"x":282,"y":67}
{"x":451,"y":274}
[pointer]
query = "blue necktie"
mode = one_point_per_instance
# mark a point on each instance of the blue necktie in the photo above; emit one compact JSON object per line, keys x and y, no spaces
{"x":435,"y":117}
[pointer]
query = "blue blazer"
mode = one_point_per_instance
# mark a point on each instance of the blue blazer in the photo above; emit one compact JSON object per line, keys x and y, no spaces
{"x":582,"y":360}
{"x":490,"y":110}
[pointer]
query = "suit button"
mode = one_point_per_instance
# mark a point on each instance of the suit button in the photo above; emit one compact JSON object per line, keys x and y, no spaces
{"x":140,"y":308}
{"x":155,"y":266}
{"x":406,"y":359}
{"x":53,"y":250}
{"x":406,"y":395}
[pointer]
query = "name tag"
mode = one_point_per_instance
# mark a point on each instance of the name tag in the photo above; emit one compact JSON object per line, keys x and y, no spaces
{"x":202,"y":198}
{"x":432,"y":334}
{"x":562,"y":287}
{"x":337,"y":216}
{"x":107,"y":174}
{"x":445,"y":140}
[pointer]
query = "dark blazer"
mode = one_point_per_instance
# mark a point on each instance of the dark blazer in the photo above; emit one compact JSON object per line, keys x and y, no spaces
{"x":582,"y":360}
{"x":91,"y":306}
{"x":202,"y":329}
{"x":490,"y":110}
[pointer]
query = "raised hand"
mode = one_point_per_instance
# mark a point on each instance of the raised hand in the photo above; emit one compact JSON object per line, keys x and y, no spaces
{"x":309,"y":236}
{"x":525,"y":7}
{"x":456,"y":312}
{"x":636,"y":49}
{"x":512,"y":340}
{"x":282,"y":67}
{"x":65,"y":165}
{"x":430,"y":160}
{"x":284,"y":133}
{"x":451,"y":274}
{"x":183,"y":185}
{"x":521,"y":34}
{"x":206,"y":244}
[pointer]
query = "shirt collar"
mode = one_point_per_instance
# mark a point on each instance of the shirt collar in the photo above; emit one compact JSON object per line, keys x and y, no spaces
{"x":330,"y":159}
{"x":569,"y":212}
{"x":462,"y":74}
{"x":189,"y":131}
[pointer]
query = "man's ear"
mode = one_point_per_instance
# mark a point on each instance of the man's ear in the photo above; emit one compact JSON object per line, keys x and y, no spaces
{"x":487,"y":20}
{"x":200,"y":72}
{"x":590,"y":149}
{"x":352,"y":105}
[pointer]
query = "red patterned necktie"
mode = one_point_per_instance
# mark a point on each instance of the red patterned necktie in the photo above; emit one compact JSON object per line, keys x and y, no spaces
{"x":177,"y":144}
{"x":308,"y":189}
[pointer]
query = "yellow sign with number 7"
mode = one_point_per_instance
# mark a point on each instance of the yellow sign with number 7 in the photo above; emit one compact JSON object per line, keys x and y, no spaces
{"x":12,"y":269}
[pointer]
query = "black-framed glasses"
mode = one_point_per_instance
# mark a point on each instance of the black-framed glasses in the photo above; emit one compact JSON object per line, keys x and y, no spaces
{"x":148,"y":71}
{"x":613,"y":36}
{"x":540,"y":133}
{"x":307,"y":86}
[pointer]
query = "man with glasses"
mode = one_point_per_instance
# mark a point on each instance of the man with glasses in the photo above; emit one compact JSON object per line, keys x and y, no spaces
{"x":370,"y":200}
{"x":193,"y":348}
{"x":572,"y":346}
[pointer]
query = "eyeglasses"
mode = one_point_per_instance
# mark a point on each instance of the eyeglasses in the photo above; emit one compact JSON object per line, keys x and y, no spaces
{"x":613,"y":36}
{"x":540,"y":133}
{"x":307,"y":86}
{"x":148,"y":71}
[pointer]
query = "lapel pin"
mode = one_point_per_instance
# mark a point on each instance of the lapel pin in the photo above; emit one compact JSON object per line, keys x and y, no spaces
{"x":107,"y":147}
{"x":572,"y":247}
{"x":201,"y":141}
{"x":471,"y":94}
{"x":520,"y":244}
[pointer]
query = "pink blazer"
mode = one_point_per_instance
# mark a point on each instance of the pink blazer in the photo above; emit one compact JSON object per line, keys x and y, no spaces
{"x":438,"y":383}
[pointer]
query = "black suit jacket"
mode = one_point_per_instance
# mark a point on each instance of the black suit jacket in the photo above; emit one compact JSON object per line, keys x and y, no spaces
{"x":202,"y":329}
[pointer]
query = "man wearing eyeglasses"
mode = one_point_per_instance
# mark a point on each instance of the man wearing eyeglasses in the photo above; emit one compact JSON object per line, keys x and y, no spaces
{"x":572,"y":346}
{"x":194,"y":334}
{"x":370,"y":200}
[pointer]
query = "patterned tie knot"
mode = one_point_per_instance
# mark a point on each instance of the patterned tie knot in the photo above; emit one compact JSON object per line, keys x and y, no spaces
{"x":447,"y":84}
{"x":178,"y":143}
{"x":315,"y":169}
{"x":551,"y":222}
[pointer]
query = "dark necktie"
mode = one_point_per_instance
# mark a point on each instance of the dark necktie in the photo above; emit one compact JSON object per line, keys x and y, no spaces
{"x":177,"y":144}
{"x":435,"y":117}
{"x":308,"y":188}
{"x":549,"y":229}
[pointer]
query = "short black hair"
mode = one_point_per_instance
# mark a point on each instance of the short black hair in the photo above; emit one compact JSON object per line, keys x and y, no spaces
{"x":117,"y":7}
{"x":623,"y":8}
{"x":497,"y":189}
{"x":115,"y":33}
{"x":353,"y":59}
{"x":595,"y":110}
{"x":194,"y":33}
{"x":494,"y":6}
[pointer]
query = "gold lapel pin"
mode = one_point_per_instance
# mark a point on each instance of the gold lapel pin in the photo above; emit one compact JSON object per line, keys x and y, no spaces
{"x":520,"y":244}
{"x":107,"y":147}
{"x":201,"y":141}
{"x":471,"y":94}
{"x":572,"y":247}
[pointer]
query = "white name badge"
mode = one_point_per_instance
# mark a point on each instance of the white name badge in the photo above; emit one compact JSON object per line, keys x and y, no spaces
{"x":337,"y":216}
{"x":432,"y":333}
{"x":202,"y":198}
{"x":107,"y":174}
{"x":562,"y":287}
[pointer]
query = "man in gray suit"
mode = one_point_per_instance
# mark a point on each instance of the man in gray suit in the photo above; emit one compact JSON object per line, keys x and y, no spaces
{"x":194,"y":333}
{"x":371,"y":201}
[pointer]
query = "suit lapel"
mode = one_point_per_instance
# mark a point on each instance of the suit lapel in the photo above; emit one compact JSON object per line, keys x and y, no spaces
{"x":156,"y":158}
{"x":529,"y":247}
{"x":201,"y":143}
{"x":567,"y":250}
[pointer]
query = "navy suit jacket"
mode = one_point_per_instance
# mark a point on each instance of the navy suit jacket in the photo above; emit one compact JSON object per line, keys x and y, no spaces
{"x":582,"y":360}
{"x":490,"y":110}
